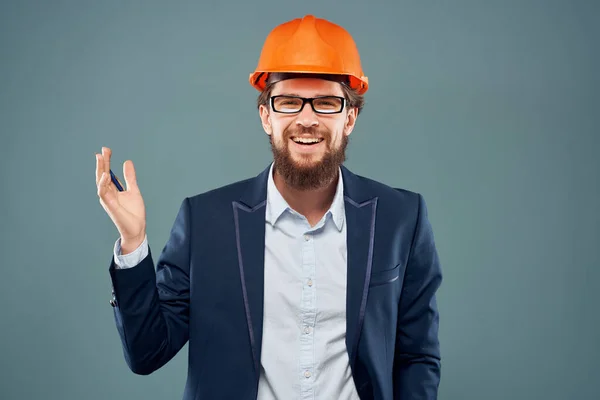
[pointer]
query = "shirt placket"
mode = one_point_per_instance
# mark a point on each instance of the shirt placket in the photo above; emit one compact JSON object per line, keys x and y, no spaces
{"x":307,"y":318}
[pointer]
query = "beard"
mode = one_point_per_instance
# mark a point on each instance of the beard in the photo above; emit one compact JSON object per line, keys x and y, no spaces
{"x":306,"y":174}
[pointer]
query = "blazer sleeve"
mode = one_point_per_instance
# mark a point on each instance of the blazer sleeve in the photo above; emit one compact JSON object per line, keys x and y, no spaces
{"x":151,"y":306}
{"x":417,"y":366}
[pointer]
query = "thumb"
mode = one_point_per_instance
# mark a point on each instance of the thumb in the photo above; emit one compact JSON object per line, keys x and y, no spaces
{"x":129,"y":174}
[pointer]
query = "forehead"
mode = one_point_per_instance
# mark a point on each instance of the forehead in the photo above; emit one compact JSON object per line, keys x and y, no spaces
{"x":307,"y":87}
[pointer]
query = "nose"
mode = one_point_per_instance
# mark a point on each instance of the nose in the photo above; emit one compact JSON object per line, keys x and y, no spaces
{"x":307,"y":117}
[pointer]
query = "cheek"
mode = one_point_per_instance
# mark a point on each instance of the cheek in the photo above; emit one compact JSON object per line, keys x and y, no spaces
{"x":278,"y":129}
{"x":276,"y":126}
{"x":277,"y":134}
{"x":337,"y":132}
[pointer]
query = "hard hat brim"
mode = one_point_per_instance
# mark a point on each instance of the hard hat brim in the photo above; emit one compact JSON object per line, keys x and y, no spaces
{"x":258,"y":79}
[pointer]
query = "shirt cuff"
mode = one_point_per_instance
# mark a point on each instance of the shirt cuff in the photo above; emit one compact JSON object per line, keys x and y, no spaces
{"x":132,"y":259}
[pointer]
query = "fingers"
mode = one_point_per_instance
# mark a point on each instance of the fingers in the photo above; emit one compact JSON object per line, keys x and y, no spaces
{"x":130,"y":177}
{"x":102,"y":163}
{"x":103,"y":169}
{"x":106,"y":152}
{"x":103,"y":184}
{"x":99,"y":167}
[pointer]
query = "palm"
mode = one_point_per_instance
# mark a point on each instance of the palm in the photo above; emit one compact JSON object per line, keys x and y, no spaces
{"x":133,"y":204}
{"x":126,"y":209}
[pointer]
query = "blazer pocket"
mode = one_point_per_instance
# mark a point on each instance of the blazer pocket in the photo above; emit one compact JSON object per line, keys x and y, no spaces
{"x":386,"y":276}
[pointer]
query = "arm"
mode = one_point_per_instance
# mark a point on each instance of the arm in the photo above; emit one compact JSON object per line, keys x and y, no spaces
{"x":152,"y":307}
{"x":416,"y":371}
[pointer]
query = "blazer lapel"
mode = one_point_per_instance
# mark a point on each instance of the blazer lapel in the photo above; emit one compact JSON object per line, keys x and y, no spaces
{"x":361,"y":211}
{"x":249,"y":219}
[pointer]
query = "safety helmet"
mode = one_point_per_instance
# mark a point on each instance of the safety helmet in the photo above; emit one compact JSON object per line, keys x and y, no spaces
{"x":310,"y":45}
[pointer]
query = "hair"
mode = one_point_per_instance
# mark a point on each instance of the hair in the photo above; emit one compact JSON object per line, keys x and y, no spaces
{"x":353,"y":99}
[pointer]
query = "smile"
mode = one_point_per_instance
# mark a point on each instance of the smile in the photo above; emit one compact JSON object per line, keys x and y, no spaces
{"x":307,"y":141}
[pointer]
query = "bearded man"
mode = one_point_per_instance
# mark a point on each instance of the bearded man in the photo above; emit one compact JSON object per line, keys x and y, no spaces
{"x":306,"y":281}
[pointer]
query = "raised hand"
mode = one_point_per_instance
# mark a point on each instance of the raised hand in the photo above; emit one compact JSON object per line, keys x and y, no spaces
{"x":126,"y":209}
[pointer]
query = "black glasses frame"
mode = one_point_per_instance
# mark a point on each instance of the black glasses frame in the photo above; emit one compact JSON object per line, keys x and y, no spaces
{"x":310,"y":101}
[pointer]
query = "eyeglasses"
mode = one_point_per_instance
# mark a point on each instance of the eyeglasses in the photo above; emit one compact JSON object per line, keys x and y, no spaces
{"x":320,"y":105}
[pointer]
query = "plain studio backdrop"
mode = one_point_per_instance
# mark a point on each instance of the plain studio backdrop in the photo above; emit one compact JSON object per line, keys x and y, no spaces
{"x":490,"y":109}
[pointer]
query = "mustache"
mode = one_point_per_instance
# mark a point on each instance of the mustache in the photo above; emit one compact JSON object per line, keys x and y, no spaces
{"x":313,"y":131}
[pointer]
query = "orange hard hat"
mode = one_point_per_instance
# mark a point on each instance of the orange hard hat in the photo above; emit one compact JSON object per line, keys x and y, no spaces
{"x":310,"y":45}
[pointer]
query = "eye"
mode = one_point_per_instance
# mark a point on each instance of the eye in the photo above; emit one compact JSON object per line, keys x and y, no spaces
{"x":287,"y":101}
{"x":327,"y":103}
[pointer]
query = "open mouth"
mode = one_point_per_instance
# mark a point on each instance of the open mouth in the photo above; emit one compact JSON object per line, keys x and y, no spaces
{"x":307,"y":141}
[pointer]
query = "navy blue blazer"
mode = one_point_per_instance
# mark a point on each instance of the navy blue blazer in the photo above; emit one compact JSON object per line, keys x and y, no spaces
{"x":207,"y":289}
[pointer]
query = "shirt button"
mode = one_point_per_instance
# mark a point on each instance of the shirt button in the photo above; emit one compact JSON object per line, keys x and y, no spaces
{"x":307,"y":374}
{"x":307,"y":237}
{"x":307,"y":329}
{"x":310,"y":282}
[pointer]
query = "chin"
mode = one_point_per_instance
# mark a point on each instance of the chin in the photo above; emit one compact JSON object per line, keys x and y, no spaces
{"x":303,"y":161}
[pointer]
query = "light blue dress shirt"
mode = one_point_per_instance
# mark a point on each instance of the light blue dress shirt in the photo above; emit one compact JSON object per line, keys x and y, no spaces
{"x":304,"y":352}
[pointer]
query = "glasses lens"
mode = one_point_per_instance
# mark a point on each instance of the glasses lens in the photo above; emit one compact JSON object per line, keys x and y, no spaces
{"x":287,"y":104}
{"x":328,"y":104}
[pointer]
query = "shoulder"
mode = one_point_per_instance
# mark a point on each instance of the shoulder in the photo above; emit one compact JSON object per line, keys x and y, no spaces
{"x":388,"y":193}
{"x":396,"y":205}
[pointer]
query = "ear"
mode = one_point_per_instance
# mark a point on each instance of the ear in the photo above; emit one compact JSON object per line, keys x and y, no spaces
{"x":265,"y":118}
{"x":350,"y":120}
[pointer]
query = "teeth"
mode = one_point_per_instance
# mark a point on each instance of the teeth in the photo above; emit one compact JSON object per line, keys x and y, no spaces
{"x":306,"y":140}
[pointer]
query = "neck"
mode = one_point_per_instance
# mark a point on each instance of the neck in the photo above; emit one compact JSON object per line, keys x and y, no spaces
{"x":313,"y":204}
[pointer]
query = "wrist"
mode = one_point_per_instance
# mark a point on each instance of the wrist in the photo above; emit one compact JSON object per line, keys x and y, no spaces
{"x":129,"y":245}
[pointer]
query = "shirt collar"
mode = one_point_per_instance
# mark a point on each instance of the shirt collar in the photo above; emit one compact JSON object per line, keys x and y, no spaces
{"x":276,"y":204}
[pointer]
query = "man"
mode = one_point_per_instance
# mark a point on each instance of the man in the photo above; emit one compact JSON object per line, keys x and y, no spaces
{"x":304,"y":282}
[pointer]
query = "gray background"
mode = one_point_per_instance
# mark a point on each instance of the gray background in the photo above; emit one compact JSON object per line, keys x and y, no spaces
{"x":490,"y":109}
